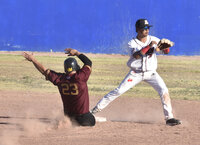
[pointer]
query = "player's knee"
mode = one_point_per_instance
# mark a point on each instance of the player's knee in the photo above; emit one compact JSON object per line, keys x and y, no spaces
{"x":163,"y":91}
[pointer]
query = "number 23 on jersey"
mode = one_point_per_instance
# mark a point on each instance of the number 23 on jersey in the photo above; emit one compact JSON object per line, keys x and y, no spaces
{"x":69,"y":89}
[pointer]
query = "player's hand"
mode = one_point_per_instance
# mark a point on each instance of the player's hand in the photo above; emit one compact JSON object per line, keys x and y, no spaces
{"x":28,"y":57}
{"x":153,"y":43}
{"x":71,"y":52}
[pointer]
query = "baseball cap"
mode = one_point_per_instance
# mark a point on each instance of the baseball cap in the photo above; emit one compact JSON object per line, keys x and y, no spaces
{"x":142,"y":23}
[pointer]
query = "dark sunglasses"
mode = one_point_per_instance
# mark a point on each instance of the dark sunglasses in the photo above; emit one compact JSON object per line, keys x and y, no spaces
{"x":146,"y":27}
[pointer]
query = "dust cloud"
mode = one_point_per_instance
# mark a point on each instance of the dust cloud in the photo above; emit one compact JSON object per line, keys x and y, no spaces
{"x":30,"y":126}
{"x":145,"y":112}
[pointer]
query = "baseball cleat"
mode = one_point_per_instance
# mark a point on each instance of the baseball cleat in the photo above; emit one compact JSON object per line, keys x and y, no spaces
{"x":173,"y":122}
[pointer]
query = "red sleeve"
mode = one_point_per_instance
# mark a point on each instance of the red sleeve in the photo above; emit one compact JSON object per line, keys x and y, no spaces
{"x":145,"y":49}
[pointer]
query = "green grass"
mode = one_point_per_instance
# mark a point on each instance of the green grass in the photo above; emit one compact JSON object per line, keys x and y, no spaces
{"x":181,"y":75}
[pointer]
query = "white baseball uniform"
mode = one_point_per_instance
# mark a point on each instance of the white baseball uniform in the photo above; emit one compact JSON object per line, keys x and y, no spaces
{"x":142,"y":69}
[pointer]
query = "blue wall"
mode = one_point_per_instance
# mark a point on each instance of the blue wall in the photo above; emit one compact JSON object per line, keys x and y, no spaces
{"x":97,"y":26}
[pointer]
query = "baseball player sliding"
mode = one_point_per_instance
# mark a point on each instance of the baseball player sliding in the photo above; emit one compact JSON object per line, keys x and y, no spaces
{"x":72,"y":85}
{"x":143,"y":65}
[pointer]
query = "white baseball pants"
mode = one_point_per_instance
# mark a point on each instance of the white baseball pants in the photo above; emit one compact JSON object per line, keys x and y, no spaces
{"x":132,"y":79}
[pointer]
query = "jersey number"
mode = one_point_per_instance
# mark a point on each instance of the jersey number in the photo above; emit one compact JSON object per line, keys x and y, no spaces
{"x":69,"y":89}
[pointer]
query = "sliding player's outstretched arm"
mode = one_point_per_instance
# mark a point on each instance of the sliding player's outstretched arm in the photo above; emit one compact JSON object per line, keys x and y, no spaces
{"x":38,"y":65}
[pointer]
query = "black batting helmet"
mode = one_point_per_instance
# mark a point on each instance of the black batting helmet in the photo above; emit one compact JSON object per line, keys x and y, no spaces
{"x":70,"y":64}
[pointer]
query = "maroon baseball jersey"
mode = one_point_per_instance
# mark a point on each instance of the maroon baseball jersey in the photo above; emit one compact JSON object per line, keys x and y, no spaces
{"x":73,"y":90}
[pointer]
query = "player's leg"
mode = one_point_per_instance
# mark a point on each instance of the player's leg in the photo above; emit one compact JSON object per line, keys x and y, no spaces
{"x":158,"y":84}
{"x":129,"y":81}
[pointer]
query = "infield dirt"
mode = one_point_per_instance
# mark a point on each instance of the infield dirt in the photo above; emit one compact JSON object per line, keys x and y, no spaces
{"x":37,"y":119}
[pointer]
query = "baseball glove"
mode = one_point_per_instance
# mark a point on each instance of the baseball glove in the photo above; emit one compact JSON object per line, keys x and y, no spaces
{"x":164,"y":44}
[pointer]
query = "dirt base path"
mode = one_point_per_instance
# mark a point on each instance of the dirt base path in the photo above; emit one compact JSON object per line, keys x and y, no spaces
{"x":37,"y":119}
